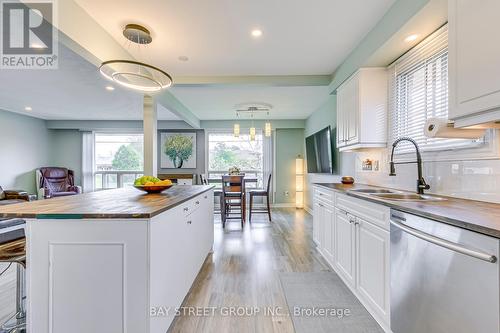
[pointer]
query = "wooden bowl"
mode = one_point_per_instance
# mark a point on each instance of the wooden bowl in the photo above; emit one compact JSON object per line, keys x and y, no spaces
{"x":153,"y":188}
{"x":347,"y":180}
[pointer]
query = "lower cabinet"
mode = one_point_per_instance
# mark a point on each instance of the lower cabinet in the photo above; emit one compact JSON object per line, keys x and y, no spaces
{"x":353,"y":236}
{"x":328,"y":218}
{"x":372,"y":267}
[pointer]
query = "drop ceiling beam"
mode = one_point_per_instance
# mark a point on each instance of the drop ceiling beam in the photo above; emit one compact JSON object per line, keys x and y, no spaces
{"x":254,"y":80}
{"x":82,"y":34}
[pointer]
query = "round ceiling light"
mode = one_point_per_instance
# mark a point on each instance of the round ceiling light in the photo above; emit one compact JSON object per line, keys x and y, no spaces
{"x":134,"y":74}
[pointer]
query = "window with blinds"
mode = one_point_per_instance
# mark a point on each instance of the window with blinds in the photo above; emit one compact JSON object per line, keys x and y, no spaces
{"x":418,"y":86}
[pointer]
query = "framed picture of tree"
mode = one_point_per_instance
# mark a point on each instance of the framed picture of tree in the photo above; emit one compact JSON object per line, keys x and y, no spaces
{"x":178,"y":150}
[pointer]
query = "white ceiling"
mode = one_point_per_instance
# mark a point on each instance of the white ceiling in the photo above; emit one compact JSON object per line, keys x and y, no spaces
{"x":212,"y":103}
{"x":299,"y":37}
{"x":75,"y":90}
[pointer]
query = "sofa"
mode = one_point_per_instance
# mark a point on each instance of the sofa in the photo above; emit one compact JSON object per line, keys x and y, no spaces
{"x":56,"y":182}
{"x":9,"y":197}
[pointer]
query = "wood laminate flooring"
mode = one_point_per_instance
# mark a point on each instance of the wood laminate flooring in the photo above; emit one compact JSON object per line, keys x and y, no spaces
{"x":244,"y":272}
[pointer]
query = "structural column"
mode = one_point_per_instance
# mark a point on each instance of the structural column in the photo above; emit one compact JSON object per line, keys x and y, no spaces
{"x":150,"y":124}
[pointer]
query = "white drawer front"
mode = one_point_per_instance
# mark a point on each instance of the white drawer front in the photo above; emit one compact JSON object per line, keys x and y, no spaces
{"x":368,"y":211}
{"x":324,"y":195}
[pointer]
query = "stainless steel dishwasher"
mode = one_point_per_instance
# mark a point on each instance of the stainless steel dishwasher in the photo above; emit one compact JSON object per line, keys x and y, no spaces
{"x":444,"y":279}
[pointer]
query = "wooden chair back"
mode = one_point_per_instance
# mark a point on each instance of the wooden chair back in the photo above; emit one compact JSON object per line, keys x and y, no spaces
{"x":233,"y":184}
{"x":268,"y":188}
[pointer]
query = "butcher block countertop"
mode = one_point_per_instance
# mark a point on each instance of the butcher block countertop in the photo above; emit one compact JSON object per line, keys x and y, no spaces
{"x":119,"y":203}
{"x":478,"y":216}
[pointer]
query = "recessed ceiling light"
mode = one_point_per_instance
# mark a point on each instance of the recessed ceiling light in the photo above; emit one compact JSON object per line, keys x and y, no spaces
{"x":28,"y":108}
{"x":183,"y":58}
{"x":110,"y":88}
{"x":411,"y":38}
{"x":256,"y":33}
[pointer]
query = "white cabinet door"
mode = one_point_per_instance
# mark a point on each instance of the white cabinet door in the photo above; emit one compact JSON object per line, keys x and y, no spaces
{"x":344,"y":245}
{"x":372,"y":267}
{"x":352,"y":110}
{"x":317,"y":217}
{"x":341,"y":128}
{"x":328,"y":222}
{"x":474,"y":57}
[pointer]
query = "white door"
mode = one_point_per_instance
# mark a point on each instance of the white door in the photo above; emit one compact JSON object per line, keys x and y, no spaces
{"x":372,"y":266}
{"x":344,"y":245}
{"x":474,"y":56}
{"x":328,"y":245}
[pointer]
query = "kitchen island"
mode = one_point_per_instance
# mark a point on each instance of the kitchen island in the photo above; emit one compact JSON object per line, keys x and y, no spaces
{"x":102,"y":261}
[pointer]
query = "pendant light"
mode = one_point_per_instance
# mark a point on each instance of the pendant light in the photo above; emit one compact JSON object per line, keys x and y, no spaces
{"x":267,"y":128}
{"x":236,"y":127}
{"x":236,"y":130}
{"x":134,"y":74}
{"x":252,"y":131}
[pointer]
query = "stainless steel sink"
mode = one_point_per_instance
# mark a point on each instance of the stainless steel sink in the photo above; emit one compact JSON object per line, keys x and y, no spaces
{"x":373,"y":191}
{"x":406,"y":197}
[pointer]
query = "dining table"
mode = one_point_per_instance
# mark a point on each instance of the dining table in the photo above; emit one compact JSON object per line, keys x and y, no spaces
{"x":246,"y":179}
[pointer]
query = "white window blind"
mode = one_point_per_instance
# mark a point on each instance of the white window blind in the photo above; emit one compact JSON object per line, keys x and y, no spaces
{"x":418,"y":86}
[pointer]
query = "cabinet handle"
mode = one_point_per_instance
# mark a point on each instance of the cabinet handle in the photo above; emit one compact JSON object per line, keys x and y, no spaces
{"x":356,"y":223}
{"x":189,"y":222}
{"x":321,"y":205}
{"x":197,"y":202}
{"x":205,"y":196}
{"x":186,"y":209}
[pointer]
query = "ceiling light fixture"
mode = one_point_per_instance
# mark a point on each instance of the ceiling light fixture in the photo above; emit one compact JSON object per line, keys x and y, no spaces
{"x":256,"y":33}
{"x":110,"y":88}
{"x":252,"y":131}
{"x":134,"y":74}
{"x":28,"y":108}
{"x":267,"y":128}
{"x":411,"y":38}
{"x":236,"y":128}
{"x":183,"y":58}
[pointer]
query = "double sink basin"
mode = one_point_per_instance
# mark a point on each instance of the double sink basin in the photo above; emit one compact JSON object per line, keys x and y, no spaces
{"x":393,"y":195}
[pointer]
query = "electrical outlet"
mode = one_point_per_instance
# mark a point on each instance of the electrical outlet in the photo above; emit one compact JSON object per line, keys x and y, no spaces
{"x":286,"y":193}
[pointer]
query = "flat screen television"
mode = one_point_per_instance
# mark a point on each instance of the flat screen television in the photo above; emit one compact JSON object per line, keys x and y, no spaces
{"x":319,"y":152}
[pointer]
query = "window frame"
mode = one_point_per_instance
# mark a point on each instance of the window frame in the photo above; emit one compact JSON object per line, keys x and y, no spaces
{"x":229,"y":131}
{"x":119,"y":173}
{"x":486,"y":149}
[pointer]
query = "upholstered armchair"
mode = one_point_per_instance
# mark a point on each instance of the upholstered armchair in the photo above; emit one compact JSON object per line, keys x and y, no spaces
{"x":55,"y":182}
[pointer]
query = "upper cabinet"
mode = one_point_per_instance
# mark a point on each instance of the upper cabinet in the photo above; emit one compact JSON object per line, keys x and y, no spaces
{"x":474,"y":62}
{"x":362,"y":110}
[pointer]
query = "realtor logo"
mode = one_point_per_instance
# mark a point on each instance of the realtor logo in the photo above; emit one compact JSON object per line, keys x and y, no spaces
{"x":29,"y":39}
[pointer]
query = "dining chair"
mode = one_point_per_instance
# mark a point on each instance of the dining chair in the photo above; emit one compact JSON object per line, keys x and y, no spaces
{"x":217,"y":192}
{"x":233,"y":196}
{"x":261,"y":193}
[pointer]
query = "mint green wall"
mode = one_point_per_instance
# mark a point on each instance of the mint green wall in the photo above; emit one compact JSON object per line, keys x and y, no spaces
{"x":289,"y":144}
{"x":25,"y":144}
{"x":67,"y":151}
{"x":399,"y":14}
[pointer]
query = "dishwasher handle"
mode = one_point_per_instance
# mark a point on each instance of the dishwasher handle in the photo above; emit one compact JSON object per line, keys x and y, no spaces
{"x":443,"y":242}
